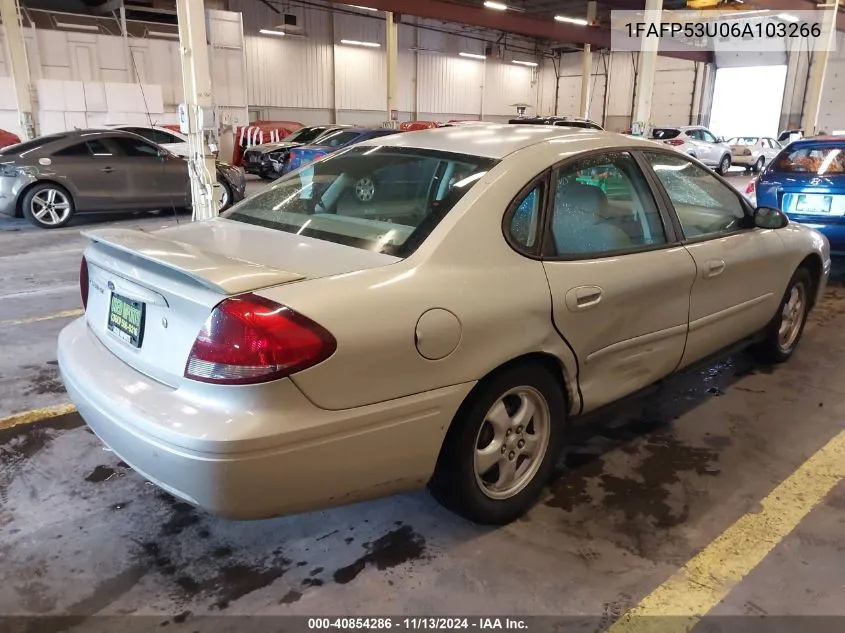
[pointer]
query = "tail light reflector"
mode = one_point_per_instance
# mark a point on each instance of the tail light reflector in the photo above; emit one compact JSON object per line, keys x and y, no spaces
{"x":674,"y":141}
{"x":751,"y":187}
{"x":249,"y":339}
{"x":83,"y":282}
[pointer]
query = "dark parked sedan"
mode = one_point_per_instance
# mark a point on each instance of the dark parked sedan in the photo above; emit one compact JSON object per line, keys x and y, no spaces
{"x":269,"y":160}
{"x":50,"y":179}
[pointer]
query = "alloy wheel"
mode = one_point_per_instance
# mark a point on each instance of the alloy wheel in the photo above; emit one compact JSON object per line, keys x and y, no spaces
{"x":365,"y":189}
{"x":50,"y":207}
{"x":512,"y":442}
{"x":792,"y":317}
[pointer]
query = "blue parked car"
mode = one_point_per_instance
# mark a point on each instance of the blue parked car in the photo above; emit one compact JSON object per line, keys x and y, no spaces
{"x":331,"y":143}
{"x":806,"y":180}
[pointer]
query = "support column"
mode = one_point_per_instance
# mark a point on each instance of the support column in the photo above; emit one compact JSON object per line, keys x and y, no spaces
{"x":196,"y":81}
{"x":646,"y":68}
{"x":818,"y":68}
{"x":392,"y":44}
{"x":18,"y":67}
{"x":587,"y":66}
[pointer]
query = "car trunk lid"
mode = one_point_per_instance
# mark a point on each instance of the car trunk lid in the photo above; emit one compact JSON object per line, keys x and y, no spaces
{"x":808,"y":197}
{"x":150,"y":293}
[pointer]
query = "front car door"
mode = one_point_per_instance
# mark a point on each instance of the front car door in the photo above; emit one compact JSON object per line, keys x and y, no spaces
{"x":738,"y":282}
{"x":619,"y":278}
{"x":159,"y":179}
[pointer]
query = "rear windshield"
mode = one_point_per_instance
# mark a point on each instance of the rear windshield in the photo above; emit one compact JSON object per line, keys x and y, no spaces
{"x":382,"y":199}
{"x":743,"y":140}
{"x":28,"y":146}
{"x":579,"y":124}
{"x":663,"y":133}
{"x":816,"y":159}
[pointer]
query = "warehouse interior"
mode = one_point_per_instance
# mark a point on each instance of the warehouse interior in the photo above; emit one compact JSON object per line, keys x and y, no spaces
{"x":703,"y":496}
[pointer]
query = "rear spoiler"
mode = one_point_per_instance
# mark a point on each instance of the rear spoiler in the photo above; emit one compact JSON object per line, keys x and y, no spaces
{"x":212,"y":270}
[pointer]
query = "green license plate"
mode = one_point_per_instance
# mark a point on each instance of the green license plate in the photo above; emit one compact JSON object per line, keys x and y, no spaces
{"x":126,"y":319}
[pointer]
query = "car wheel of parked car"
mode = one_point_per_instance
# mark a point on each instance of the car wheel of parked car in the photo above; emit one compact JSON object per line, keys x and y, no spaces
{"x":48,"y":205}
{"x":784,"y":331}
{"x":724,"y":165}
{"x":226,"y":195}
{"x":758,"y":166}
{"x":365,"y":189}
{"x":502,"y":446}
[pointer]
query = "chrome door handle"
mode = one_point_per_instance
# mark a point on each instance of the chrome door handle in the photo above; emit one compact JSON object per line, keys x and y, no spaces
{"x":713,"y":268}
{"x":583,"y":297}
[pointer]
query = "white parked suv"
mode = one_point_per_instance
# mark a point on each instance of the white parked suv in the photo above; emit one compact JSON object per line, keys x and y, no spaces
{"x":696,"y":141}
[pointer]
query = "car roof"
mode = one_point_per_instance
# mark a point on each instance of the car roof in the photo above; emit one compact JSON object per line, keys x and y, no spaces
{"x":497,"y":140}
{"x":817,"y":140}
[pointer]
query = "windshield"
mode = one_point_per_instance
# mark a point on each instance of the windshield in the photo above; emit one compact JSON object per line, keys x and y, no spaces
{"x":743,"y":140}
{"x":382,"y":199}
{"x":816,"y":159}
{"x":304,"y":135}
{"x":665,"y":132}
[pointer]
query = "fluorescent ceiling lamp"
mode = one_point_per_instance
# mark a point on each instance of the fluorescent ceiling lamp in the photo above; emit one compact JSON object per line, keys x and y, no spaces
{"x":162,"y":34}
{"x":472,"y":55}
{"x":787,"y":17}
{"x":522,"y":63}
{"x":564,"y":18}
{"x":357,"y":43}
{"x":358,"y":6}
{"x":81,"y":27}
{"x":498,"y":6}
{"x":271,"y":32}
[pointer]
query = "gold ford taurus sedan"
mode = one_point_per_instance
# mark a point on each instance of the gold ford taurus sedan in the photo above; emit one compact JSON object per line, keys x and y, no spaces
{"x":306,"y":349}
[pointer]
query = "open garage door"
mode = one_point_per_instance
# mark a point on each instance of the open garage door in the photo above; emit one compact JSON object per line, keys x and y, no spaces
{"x":747,"y":101}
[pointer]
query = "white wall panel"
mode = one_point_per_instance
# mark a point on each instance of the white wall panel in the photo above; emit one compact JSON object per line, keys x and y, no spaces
{"x":506,"y":84}
{"x":360,"y":79}
{"x":450,"y":84}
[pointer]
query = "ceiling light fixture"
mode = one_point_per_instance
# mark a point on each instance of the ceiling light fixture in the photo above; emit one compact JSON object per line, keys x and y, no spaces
{"x":564,"y":18}
{"x":522,"y":63}
{"x":357,"y":43}
{"x":788,"y":17}
{"x":162,"y":34}
{"x":472,"y":55}
{"x":498,"y":6}
{"x":358,"y":6}
{"x":271,"y":32}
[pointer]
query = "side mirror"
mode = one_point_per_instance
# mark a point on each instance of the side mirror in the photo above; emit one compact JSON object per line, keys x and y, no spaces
{"x":769,"y":218}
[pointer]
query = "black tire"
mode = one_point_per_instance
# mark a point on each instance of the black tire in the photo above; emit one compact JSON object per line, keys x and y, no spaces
{"x":772,"y":349}
{"x":40,"y":191}
{"x":724,"y":165}
{"x":228,"y":195}
{"x":758,"y":166}
{"x":455,"y":483}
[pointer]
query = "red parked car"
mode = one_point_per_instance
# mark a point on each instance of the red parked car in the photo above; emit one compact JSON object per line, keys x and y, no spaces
{"x":7,"y":138}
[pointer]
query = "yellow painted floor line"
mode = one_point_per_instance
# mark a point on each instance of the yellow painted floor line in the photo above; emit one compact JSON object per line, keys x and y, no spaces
{"x":59,"y":315}
{"x":36,"y":415}
{"x":678,"y":604}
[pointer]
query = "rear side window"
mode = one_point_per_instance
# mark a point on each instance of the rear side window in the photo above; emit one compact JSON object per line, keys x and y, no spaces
{"x":817,"y":159}
{"x":93,"y":147}
{"x":382,"y":199}
{"x":664,"y":133}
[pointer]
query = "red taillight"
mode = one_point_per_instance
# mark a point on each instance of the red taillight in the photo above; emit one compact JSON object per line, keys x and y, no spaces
{"x":751,"y":187}
{"x":249,"y":339}
{"x":674,"y":141}
{"x":83,"y":282}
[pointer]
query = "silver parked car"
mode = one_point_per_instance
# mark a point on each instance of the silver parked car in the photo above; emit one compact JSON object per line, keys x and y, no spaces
{"x":305,"y":350}
{"x":696,"y":141}
{"x":51,"y":178}
{"x":753,"y":152}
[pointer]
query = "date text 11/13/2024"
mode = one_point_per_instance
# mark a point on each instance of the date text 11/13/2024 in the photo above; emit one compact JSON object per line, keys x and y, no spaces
{"x":418,"y":623}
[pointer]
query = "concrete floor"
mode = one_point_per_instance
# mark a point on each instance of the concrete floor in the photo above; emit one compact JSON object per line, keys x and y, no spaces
{"x":644,"y":488}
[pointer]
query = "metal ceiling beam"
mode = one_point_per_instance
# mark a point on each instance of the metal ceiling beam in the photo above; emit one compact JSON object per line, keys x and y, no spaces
{"x":512,"y":22}
{"x":797,"y":5}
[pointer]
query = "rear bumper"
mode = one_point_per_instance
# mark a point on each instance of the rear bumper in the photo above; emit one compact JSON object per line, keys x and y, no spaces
{"x":743,"y":160}
{"x":253,"y":452}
